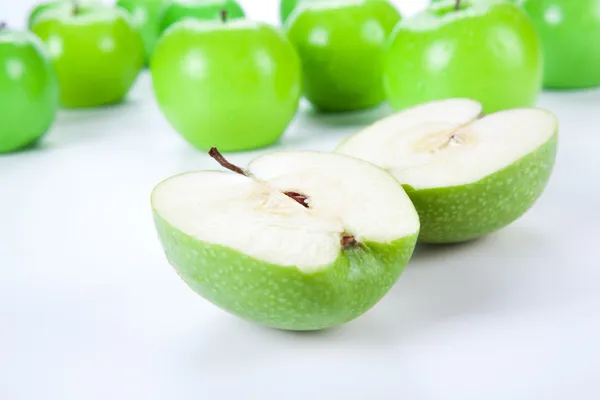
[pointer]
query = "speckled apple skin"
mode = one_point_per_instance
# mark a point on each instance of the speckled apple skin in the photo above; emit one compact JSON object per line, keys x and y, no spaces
{"x":462,"y":213}
{"x":285,"y":297}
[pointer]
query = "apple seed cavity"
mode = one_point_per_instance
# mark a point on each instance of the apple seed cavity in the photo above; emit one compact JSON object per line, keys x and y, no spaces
{"x":214,"y":153}
{"x":347,"y":240}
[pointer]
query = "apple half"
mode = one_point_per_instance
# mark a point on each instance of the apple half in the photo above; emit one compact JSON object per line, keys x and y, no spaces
{"x":298,"y":241}
{"x":467,"y":174}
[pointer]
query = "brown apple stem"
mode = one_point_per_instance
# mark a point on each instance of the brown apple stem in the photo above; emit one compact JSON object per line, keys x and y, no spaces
{"x":75,"y":9}
{"x":223,"y":15}
{"x":214,"y":153}
{"x":2,"y":25}
{"x":348,"y":241}
{"x":457,"y":5}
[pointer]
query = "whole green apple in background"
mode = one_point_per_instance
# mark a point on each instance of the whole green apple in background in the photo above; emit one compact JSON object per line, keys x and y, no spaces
{"x":570,"y":34}
{"x":467,"y":175}
{"x":28,"y":90}
{"x":285,"y":9}
{"x":200,"y":9}
{"x":146,"y":15}
{"x":341,"y":45}
{"x":40,"y":8}
{"x":487,"y":51}
{"x":280,"y":244}
{"x":235,"y":84}
{"x":96,"y":51}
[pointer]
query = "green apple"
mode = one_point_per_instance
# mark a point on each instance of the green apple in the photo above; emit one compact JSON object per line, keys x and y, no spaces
{"x":285,"y":9}
{"x":341,"y":45}
{"x":467,"y":175}
{"x":146,"y":15}
{"x":28,"y":90}
{"x":484,"y":50}
{"x":201,"y":10}
{"x":294,"y":242}
{"x":96,"y":51}
{"x":570,"y":34}
{"x":40,"y":8}
{"x":234,"y":84}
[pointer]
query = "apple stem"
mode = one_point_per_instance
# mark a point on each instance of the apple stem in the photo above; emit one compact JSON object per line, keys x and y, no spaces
{"x":457,"y":5}
{"x":75,"y":10}
{"x":223,"y":15}
{"x":2,"y":25}
{"x":214,"y":153}
{"x":348,"y":240}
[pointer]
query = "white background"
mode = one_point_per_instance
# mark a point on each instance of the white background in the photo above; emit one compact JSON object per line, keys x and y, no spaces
{"x":90,"y":309}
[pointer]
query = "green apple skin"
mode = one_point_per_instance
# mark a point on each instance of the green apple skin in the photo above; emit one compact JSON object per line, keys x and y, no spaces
{"x":570,"y":33}
{"x":29,"y":90}
{"x":342,"y":52}
{"x":285,"y":297}
{"x":96,"y":52}
{"x":41,"y":8}
{"x":234,"y":85}
{"x":146,"y":16}
{"x":201,"y":10}
{"x":285,"y":9}
{"x":462,"y":213}
{"x":487,"y":51}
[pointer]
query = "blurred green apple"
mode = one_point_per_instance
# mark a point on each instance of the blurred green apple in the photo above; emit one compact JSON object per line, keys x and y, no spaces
{"x":178,"y":10}
{"x":28,"y":90}
{"x":484,"y":50}
{"x":96,"y":51}
{"x":146,"y":16}
{"x":234,"y":85}
{"x":570,"y":34}
{"x":341,"y":45}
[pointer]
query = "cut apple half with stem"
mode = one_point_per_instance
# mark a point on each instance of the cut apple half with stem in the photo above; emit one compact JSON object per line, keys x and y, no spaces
{"x":297,"y":241}
{"x":467,"y":174}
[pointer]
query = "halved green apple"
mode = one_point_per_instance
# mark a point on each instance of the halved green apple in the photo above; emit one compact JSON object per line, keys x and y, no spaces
{"x":298,"y":241}
{"x":467,"y":174}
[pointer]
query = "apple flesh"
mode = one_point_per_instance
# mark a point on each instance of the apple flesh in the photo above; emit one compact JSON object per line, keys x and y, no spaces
{"x":298,"y":241}
{"x":468,"y":175}
{"x":488,"y":51}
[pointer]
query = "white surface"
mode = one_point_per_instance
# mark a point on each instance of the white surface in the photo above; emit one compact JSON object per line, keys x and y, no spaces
{"x":90,"y":309}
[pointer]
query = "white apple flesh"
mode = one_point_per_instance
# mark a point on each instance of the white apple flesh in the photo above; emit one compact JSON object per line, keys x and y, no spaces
{"x":299,"y":240}
{"x":467,"y":174}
